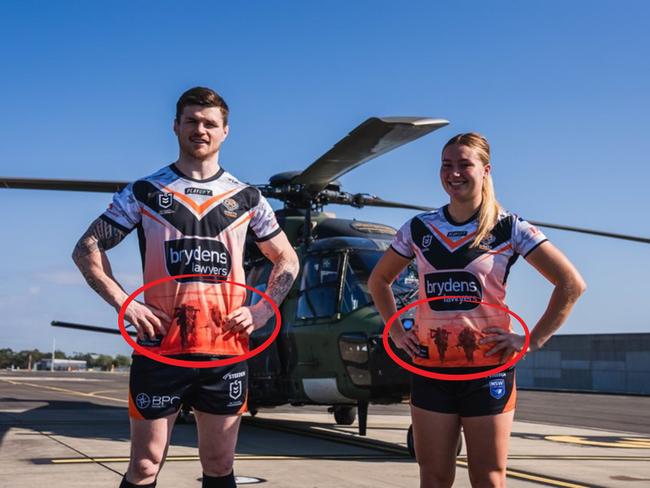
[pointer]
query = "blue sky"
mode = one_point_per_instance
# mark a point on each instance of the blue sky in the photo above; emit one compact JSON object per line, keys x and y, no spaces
{"x":559,"y":88}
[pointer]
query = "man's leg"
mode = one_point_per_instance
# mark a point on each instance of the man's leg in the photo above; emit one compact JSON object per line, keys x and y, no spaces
{"x":149,"y":442}
{"x":217,"y":440}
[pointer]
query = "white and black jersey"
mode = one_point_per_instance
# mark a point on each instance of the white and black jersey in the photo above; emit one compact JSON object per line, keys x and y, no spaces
{"x":449,"y":329}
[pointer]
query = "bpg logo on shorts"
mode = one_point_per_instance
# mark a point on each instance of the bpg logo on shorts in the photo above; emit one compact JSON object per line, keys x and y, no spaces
{"x":164,"y":401}
{"x":497,"y":388}
{"x":453,"y":283}
{"x":197,"y":256}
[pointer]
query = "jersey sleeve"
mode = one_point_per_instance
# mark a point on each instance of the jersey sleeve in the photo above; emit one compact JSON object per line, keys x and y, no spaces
{"x":264,"y":224}
{"x":526,"y":237}
{"x":402,"y":242}
{"x":124,"y":211}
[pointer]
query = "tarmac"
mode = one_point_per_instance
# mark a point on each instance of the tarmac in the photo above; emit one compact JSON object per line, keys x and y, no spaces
{"x":71,"y":430}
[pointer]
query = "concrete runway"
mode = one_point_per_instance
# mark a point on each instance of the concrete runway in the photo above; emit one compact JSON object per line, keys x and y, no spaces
{"x":71,"y":430}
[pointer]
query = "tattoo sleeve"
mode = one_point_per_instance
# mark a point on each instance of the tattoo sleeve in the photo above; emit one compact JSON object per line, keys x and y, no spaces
{"x":280,"y":282}
{"x":100,"y":236}
{"x":90,"y":258}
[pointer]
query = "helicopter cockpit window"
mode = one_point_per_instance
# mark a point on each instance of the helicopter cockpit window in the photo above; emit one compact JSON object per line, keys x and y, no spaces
{"x":319,"y":286}
{"x":355,"y":286}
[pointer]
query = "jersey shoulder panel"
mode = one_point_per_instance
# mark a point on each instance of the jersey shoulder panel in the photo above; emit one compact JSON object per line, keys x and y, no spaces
{"x":402,"y":243}
{"x":525,"y":236}
{"x":125,"y":208}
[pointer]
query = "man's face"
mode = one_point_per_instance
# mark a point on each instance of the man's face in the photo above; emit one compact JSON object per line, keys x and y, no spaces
{"x":200,"y":131}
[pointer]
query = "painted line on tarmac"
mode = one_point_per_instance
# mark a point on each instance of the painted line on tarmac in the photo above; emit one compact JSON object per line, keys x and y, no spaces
{"x":569,"y":457}
{"x":618,"y":442}
{"x":331,"y":457}
{"x":65,"y":390}
{"x":51,"y":437}
{"x":540,"y":479}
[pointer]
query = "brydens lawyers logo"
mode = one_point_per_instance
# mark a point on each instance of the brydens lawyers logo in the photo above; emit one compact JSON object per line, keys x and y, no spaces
{"x":197,"y":256}
{"x":452,"y":283}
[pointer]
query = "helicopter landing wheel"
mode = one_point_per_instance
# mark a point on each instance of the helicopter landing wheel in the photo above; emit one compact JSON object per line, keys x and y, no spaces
{"x":345,"y":415}
{"x":410,"y":444}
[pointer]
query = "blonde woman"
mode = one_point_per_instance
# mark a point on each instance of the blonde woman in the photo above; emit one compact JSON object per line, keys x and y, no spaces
{"x":466,"y":249}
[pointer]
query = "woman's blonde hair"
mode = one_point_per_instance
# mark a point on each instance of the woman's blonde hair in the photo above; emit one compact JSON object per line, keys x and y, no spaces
{"x":488,"y":214}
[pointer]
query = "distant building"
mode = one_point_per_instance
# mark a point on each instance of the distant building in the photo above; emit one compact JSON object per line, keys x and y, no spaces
{"x":604,"y":363}
{"x":62,"y":365}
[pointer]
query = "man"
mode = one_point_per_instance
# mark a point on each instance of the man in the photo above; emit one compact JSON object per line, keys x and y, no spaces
{"x":192,"y":218}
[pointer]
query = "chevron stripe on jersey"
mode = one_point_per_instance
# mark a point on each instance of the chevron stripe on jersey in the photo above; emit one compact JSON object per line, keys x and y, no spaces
{"x":449,"y":328}
{"x":215,"y":217}
{"x":188,"y":226}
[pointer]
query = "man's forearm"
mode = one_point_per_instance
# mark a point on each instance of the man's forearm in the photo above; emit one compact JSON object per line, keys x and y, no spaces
{"x":281,"y":280}
{"x":90,"y":258}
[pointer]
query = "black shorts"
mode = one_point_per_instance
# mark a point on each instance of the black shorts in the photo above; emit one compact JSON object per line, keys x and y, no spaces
{"x":468,"y":398}
{"x":157,"y":389}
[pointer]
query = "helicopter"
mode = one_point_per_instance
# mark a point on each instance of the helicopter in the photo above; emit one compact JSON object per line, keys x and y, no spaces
{"x":329,"y":350}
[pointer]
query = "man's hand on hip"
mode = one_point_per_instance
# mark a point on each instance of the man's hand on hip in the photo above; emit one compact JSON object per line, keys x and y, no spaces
{"x":148,"y":320}
{"x":245,"y":320}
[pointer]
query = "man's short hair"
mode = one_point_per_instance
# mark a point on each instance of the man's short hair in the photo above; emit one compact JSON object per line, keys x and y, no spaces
{"x":205,"y":97}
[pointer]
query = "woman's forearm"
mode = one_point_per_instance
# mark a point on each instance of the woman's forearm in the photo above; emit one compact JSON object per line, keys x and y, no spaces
{"x":559,"y":307}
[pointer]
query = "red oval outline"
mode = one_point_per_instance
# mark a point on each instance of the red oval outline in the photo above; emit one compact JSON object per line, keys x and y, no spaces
{"x":453,"y":377}
{"x":198,"y":364}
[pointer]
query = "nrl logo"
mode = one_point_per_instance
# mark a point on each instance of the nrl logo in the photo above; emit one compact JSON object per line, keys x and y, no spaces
{"x":426,"y":240}
{"x":165,"y":200}
{"x":235,"y":389}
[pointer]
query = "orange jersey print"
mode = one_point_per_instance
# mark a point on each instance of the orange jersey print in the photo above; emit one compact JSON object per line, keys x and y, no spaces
{"x":188,"y":226}
{"x":449,"y":329}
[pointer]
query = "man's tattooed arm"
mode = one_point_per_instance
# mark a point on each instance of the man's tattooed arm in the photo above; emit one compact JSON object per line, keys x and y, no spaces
{"x":284,"y":272}
{"x":90,"y":257}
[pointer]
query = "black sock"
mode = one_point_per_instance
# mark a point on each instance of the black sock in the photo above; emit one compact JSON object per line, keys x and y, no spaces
{"x":128,"y":484}
{"x":227,"y":481}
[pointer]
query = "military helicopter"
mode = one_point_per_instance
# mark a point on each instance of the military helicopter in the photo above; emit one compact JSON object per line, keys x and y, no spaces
{"x":329,"y":350}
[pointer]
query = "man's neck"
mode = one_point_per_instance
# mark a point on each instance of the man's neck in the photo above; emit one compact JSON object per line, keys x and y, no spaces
{"x":198,"y":169}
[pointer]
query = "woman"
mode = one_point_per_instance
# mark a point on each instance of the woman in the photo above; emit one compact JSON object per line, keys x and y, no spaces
{"x":466,"y":249}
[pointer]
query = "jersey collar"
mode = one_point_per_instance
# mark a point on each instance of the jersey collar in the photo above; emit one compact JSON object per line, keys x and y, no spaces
{"x":185,"y":177}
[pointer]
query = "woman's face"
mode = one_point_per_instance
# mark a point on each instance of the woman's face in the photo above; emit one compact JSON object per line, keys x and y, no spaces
{"x":462,"y":172}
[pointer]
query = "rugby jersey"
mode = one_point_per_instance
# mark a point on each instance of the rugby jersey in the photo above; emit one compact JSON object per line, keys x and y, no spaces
{"x":189,"y":226}
{"x":449,"y":329}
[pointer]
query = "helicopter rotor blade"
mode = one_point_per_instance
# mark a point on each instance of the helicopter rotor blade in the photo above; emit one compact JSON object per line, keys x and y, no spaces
{"x":372,"y":138}
{"x":364,"y":200}
{"x":90,"y":328}
{"x":593,"y":232}
{"x":65,"y":185}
